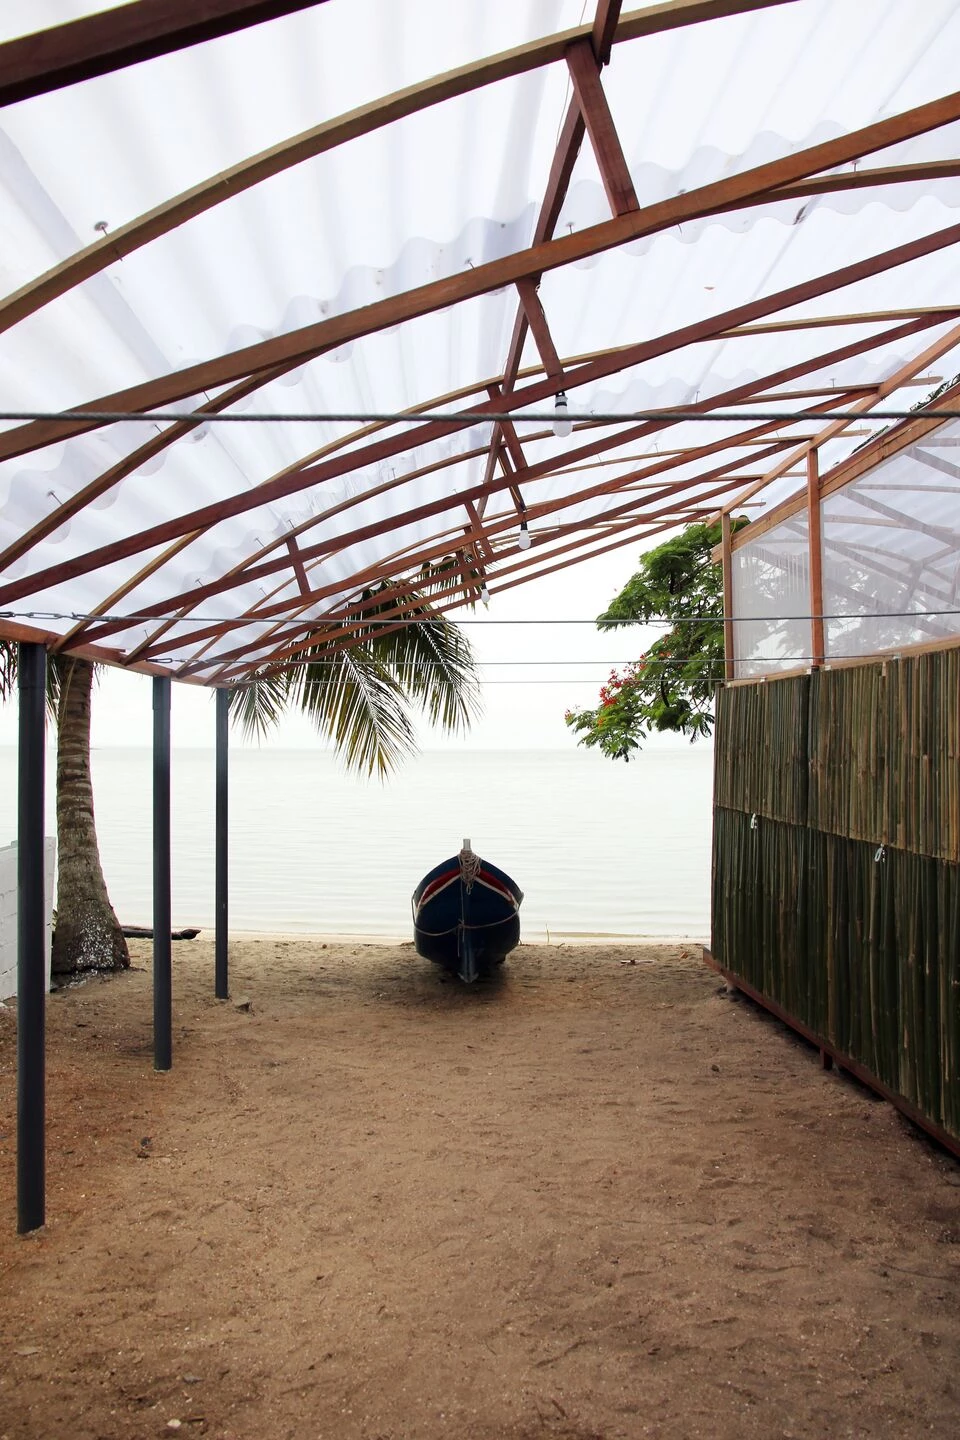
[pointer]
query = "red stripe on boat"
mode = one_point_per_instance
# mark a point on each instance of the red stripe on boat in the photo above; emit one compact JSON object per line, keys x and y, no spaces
{"x":493,"y":883}
{"x":435,"y":886}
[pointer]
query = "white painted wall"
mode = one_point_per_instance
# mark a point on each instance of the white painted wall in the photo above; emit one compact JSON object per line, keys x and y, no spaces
{"x":8,"y":912}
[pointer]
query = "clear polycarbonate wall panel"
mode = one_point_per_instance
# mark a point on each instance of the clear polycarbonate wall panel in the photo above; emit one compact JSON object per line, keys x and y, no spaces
{"x":771,"y":600}
{"x":891,"y":552}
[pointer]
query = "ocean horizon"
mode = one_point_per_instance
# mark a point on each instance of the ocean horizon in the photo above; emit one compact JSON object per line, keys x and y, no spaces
{"x":600,"y":848}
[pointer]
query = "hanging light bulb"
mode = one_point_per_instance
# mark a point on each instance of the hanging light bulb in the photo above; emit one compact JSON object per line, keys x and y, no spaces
{"x":523,"y":539}
{"x":562,"y":424}
{"x":484,"y":594}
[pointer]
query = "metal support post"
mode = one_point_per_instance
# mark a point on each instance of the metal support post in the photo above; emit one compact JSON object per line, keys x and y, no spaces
{"x":815,"y":542}
{"x":221,"y":976}
{"x":729,"y":651}
{"x":162,"y":967}
{"x":31,"y":942}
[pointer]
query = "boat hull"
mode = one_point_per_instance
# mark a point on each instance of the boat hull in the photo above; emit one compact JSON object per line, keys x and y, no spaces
{"x":467,"y":924}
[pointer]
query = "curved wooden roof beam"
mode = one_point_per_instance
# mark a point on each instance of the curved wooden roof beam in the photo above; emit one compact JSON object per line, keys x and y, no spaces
{"x":382,"y":448}
{"x":314,"y":339}
{"x":530,"y":558}
{"x":499,"y":525}
{"x":242,"y":572}
{"x":74,"y":504}
{"x":127,"y":35}
{"x":535,"y":511}
{"x":333,"y":133}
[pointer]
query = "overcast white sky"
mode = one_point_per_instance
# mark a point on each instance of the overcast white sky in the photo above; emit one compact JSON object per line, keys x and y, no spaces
{"x":524,"y":698}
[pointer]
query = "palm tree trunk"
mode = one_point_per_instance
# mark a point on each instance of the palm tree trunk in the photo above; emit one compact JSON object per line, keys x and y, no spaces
{"x":87,"y":934}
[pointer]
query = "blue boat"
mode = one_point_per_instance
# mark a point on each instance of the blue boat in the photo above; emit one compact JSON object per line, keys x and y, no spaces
{"x":466,"y":915}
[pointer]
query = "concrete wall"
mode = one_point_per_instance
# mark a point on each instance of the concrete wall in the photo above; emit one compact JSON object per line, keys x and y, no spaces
{"x":8,"y":912}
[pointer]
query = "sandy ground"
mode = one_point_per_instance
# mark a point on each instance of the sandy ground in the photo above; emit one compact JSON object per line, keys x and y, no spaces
{"x":595,"y":1197}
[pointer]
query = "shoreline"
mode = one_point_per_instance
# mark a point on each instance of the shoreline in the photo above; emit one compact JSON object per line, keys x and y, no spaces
{"x":556,"y":938}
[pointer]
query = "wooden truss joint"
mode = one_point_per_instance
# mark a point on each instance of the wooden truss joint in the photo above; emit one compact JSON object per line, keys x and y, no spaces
{"x":614,"y":172}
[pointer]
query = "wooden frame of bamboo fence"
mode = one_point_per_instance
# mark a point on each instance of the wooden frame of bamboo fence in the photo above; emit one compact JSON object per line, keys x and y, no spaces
{"x":830,"y":1055}
{"x":836,"y":878}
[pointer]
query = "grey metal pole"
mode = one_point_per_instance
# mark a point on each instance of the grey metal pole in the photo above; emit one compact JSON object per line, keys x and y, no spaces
{"x":162,"y":969}
{"x":221,"y":976}
{"x":31,"y":946}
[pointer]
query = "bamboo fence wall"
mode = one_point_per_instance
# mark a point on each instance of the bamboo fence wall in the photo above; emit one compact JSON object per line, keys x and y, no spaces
{"x":836,"y":883}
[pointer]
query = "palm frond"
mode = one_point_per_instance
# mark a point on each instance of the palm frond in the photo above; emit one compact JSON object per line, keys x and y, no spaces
{"x":354,"y":700}
{"x":257,"y":707}
{"x":438,"y":577}
{"x":56,"y":666}
{"x":433,"y":664}
{"x":8,"y":668}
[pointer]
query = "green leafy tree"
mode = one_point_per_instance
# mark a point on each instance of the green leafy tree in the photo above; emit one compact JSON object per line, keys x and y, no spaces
{"x":671,"y":686}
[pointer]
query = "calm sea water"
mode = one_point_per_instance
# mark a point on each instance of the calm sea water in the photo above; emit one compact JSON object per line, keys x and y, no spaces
{"x":599,"y":848}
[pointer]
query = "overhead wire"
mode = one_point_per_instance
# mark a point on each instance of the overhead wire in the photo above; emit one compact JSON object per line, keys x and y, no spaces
{"x":353,"y":623}
{"x":464,"y":417}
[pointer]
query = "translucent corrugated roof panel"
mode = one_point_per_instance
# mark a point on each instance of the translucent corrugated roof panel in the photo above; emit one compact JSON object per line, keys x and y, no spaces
{"x":297,"y":231}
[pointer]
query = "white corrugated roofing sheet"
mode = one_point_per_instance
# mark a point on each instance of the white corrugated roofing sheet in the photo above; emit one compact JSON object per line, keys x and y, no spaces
{"x":430,"y":197}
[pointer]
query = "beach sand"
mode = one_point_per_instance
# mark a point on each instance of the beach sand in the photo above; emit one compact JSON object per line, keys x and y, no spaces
{"x":593,"y":1197}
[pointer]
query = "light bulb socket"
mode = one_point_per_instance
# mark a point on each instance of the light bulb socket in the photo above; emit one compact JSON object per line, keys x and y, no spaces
{"x":562,"y":424}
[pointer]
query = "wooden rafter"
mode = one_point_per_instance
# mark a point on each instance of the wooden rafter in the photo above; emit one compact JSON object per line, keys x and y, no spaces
{"x":238,"y":504}
{"x":889,"y":442}
{"x":96,"y":488}
{"x":363,"y":121}
{"x":729,"y":398}
{"x":588,"y":89}
{"x":243,"y":573}
{"x":127,"y":35}
{"x":436,"y":548}
{"x":861,"y":407}
{"x":524,"y":566}
{"x":535,"y":512}
{"x":538,"y":511}
{"x":539,"y":329}
{"x":531,"y":559}
{"x":311,"y":340}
